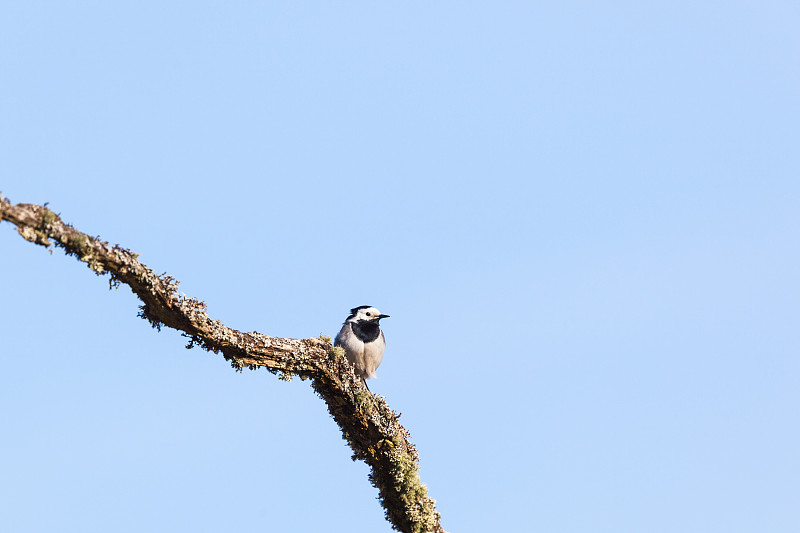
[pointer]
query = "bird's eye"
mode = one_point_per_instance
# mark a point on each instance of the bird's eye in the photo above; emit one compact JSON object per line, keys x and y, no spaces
{"x":369,"y":314}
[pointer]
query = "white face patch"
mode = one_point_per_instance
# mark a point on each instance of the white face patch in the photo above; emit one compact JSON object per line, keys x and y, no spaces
{"x":369,"y":313}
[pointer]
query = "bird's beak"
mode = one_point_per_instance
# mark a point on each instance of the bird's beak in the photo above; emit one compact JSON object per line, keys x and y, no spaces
{"x":382,"y":316}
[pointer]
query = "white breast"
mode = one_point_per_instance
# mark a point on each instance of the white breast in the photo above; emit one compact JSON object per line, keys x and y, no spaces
{"x":364,"y":357}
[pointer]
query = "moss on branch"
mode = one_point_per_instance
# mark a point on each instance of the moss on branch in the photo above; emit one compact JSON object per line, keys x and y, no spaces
{"x":371,"y":429}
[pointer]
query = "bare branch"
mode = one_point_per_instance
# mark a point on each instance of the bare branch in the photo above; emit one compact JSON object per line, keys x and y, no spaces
{"x":368,"y":425}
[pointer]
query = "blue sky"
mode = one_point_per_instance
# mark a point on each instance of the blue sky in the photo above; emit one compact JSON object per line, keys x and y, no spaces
{"x":583,"y":220}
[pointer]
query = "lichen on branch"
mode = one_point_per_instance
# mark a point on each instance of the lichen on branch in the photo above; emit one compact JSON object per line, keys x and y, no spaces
{"x":372,"y":430}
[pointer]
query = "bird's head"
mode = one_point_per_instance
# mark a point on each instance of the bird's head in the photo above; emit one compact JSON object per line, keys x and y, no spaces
{"x":365,"y":313}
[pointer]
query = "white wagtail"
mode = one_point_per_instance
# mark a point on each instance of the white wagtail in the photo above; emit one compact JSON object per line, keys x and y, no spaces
{"x":362,"y":340}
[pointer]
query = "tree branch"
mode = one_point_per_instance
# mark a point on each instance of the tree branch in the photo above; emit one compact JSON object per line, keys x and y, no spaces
{"x":368,"y":425}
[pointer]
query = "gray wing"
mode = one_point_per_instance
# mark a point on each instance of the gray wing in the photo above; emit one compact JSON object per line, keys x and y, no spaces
{"x":344,"y":332}
{"x":353,"y":347}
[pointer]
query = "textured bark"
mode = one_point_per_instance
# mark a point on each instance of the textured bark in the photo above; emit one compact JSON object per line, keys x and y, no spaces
{"x":369,"y":426}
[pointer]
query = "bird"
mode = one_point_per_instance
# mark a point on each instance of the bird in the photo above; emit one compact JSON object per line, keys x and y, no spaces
{"x":363,"y":341}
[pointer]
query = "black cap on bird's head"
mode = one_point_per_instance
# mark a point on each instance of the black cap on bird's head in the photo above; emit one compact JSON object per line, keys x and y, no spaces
{"x":368,"y":313}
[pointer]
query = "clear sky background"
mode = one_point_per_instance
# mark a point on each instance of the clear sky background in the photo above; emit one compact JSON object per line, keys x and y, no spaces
{"x":583,"y":219}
